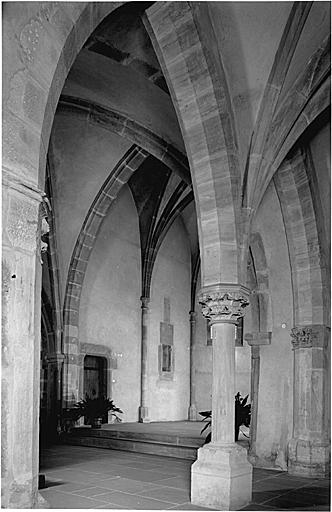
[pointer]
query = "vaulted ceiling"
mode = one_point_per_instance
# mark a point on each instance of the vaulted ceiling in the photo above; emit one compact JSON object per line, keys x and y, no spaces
{"x":117,"y":81}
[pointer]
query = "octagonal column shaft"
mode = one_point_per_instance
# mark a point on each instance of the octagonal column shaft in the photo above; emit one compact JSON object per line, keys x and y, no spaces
{"x":223,"y":383}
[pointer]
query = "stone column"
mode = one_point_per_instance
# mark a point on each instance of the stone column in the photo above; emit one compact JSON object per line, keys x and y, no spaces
{"x":21,"y":320}
{"x":54,"y":391}
{"x":192,"y":413}
{"x":255,"y":340}
{"x":308,"y":450}
{"x":222,"y":475}
{"x":143,"y":413}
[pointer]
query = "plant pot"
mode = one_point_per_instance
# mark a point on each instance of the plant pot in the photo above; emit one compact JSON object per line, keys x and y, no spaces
{"x":96,"y":423}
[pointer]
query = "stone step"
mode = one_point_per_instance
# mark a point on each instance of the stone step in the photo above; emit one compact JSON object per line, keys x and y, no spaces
{"x":172,"y":438}
{"x":182,"y":447}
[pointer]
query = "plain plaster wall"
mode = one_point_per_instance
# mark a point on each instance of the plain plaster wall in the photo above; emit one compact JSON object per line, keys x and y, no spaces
{"x":169,"y":399}
{"x":247,"y":33}
{"x":110,"y":302}
{"x":83,"y":155}
{"x":275,"y":396}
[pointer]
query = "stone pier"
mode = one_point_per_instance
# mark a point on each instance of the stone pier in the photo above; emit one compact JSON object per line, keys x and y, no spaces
{"x":309,"y":448}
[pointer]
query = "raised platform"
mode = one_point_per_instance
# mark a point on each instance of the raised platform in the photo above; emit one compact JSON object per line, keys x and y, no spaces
{"x":172,"y":439}
{"x":179,"y":439}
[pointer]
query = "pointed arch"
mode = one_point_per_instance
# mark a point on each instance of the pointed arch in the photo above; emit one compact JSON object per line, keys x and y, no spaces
{"x":200,"y":96}
{"x":80,"y":258}
{"x":306,"y":100}
{"x":310,"y":286}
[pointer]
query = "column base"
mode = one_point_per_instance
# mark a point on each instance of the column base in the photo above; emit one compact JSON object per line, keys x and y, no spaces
{"x":42,"y":503}
{"x":192,"y":413}
{"x":221,"y":477}
{"x":308,"y":458}
{"x":143,"y":416}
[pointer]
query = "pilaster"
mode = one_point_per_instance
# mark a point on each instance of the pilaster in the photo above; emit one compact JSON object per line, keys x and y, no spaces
{"x":309,"y":448}
{"x":222,"y":475}
{"x":255,"y":340}
{"x":192,"y":413}
{"x":143,"y":413}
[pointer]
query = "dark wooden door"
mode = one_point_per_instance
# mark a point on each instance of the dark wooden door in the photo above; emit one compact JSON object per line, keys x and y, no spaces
{"x":95,"y":383}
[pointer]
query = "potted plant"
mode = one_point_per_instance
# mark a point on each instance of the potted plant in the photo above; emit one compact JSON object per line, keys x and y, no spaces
{"x":69,"y":418}
{"x":242,"y":417}
{"x":242,"y":413}
{"x":94,"y":409}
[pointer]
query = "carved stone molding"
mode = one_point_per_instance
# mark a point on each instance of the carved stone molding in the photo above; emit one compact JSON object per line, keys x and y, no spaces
{"x":145,"y":302}
{"x":22,"y":222}
{"x":28,"y":188}
{"x":224,"y":303}
{"x":308,"y":336}
{"x":301,"y":337}
{"x":45,"y":228}
{"x":192,"y":317}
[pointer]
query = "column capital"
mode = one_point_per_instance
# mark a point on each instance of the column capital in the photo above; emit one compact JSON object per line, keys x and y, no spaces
{"x":224,"y":303}
{"x":307,"y":336}
{"x":145,"y":302}
{"x":192,"y":316}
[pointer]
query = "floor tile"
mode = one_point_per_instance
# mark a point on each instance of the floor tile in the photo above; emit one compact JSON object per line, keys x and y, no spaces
{"x":258,"y":507}
{"x":142,"y":475}
{"x":325,"y":491}
{"x":325,"y":484}
{"x":57,"y":499}
{"x":292,"y":500}
{"x":125,"y":484}
{"x":136,"y":464}
{"x":313,"y":508}
{"x":262,"y":497}
{"x":190,"y":506}
{"x":132,"y":501}
{"x":70,"y":475}
{"x":109,"y":506}
{"x":90,"y":492}
{"x":177,"y":482}
{"x":76,"y":475}
{"x":66,"y":487}
{"x":169,"y":494}
{"x":272,"y":484}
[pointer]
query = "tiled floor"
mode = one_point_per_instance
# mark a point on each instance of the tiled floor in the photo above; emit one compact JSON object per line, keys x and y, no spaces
{"x":80,"y":477}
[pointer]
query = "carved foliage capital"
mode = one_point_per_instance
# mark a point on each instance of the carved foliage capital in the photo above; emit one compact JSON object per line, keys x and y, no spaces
{"x":302,"y":337}
{"x":45,"y":227}
{"x":224,"y":303}
{"x":145,"y":302}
